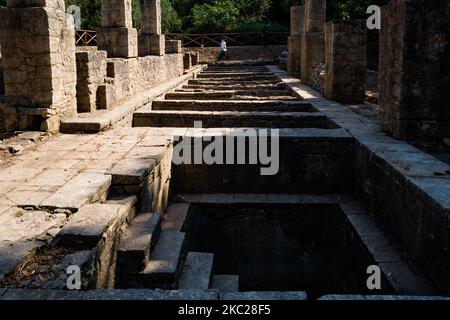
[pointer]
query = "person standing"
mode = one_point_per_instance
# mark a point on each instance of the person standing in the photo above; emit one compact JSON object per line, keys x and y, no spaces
{"x":223,"y":50}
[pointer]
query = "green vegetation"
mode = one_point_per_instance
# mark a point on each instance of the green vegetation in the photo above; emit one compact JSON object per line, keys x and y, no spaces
{"x":205,"y":16}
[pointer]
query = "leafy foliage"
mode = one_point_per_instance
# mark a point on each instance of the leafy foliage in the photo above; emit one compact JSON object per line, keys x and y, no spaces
{"x":224,"y":15}
{"x":220,"y":16}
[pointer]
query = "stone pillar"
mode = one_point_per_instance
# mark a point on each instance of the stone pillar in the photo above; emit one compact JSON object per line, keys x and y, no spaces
{"x":38,"y":56}
{"x":414,"y":72}
{"x":346,"y":60}
{"x":91,"y":73}
{"x":151,"y":41}
{"x":117,"y":35}
{"x":295,"y":40}
{"x":313,"y":39}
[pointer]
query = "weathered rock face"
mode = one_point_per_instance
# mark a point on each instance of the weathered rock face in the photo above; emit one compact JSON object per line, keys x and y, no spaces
{"x":38,"y":50}
{"x":415,"y":69}
{"x":313,"y":38}
{"x":346,"y":61}
{"x":295,"y":40}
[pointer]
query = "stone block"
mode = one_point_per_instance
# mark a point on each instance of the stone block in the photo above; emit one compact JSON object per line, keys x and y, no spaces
{"x":195,"y":58}
{"x":87,"y":226}
{"x":106,"y":96}
{"x":117,"y":13}
{"x":414,"y":70}
{"x":187,"y":61}
{"x":118,"y":42}
{"x":39,"y":63}
{"x":151,"y":44}
{"x":173,"y":46}
{"x":297,"y":20}
{"x":346,"y":61}
{"x":295,"y":55}
{"x":150,"y":16}
{"x":315,"y":15}
{"x":312,"y":53}
{"x":91,"y":73}
{"x":83,"y":189}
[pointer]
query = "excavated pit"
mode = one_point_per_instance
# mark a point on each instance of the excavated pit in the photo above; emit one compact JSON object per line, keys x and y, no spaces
{"x":283,"y":247}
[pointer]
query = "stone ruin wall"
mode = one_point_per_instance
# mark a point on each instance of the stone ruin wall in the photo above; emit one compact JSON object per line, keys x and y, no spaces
{"x":210,"y":54}
{"x":104,"y":82}
{"x":39,"y":64}
{"x":47,"y":78}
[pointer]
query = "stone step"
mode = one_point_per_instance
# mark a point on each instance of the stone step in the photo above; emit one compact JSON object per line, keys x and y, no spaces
{"x":95,"y":222}
{"x":235,"y":119}
{"x":220,"y":95}
{"x":225,"y":75}
{"x":85,"y":188}
{"x":175,"y":217}
{"x":254,"y":78}
{"x":205,"y":87}
{"x":233,"y":106}
{"x":225,"y":283}
{"x":243,"y":81}
{"x":197,"y":271}
{"x":137,"y":242}
{"x":163,"y":268}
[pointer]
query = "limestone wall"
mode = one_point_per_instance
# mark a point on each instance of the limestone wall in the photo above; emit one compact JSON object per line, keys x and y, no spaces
{"x":135,"y":75}
{"x":39,"y":64}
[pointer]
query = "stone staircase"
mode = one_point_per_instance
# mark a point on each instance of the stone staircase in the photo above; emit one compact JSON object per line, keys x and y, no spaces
{"x":152,"y":255}
{"x":232,"y":96}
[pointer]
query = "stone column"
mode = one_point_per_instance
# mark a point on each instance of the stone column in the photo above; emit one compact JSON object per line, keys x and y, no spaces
{"x":38,"y":57}
{"x":346,"y":60}
{"x":414,"y":72}
{"x":151,"y":41}
{"x":295,"y":40}
{"x":117,"y":35}
{"x":313,"y":39}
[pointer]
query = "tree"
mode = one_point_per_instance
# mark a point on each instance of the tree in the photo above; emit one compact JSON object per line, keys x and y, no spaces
{"x":220,"y":16}
{"x":170,"y":20}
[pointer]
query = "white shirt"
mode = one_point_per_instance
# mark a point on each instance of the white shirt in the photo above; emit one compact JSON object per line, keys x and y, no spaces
{"x":223,"y":45}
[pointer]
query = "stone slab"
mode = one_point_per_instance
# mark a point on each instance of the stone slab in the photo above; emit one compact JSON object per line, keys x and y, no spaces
{"x":21,"y":225}
{"x":264,"y":296}
{"x":87,"y":226}
{"x":175,"y":216}
{"x":197,"y":271}
{"x":83,"y":189}
{"x":225,"y":283}
{"x":137,"y":242}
